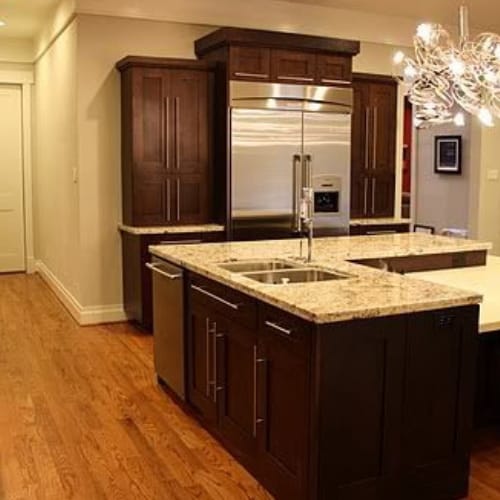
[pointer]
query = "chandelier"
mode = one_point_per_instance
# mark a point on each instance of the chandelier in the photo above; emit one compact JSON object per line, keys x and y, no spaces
{"x":443,"y":75}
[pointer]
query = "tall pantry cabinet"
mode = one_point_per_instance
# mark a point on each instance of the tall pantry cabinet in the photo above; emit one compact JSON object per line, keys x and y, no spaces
{"x":166,"y":141}
{"x":373,"y":154}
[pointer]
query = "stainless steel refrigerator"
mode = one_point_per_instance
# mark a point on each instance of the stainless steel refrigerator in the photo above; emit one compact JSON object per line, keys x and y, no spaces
{"x":284,"y":138}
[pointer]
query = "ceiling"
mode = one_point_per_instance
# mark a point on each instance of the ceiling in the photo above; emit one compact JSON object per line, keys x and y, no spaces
{"x":484,"y":14}
{"x":24,"y":18}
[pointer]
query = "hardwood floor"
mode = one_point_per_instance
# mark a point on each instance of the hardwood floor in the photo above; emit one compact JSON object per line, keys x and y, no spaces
{"x":81,"y":416}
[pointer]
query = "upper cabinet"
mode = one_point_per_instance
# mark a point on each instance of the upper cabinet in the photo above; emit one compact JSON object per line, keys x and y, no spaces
{"x":373,"y":150}
{"x":279,"y":57}
{"x":166,"y":141}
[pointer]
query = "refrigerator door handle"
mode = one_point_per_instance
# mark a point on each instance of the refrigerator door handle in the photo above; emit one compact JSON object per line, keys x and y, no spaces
{"x":297,"y":186}
{"x":307,"y":172}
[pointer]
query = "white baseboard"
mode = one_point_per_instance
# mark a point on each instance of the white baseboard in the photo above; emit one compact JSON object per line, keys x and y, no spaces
{"x":30,"y":265}
{"x":93,"y":315}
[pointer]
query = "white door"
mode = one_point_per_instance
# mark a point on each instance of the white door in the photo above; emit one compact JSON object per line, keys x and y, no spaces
{"x":11,"y":181}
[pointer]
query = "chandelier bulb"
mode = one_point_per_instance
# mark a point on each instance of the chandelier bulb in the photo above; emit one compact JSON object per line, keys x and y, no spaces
{"x":410,"y":71}
{"x":486,"y":117}
{"x":459,"y":119}
{"x":457,"y":67}
{"x":399,"y":57}
{"x":424,"y":32}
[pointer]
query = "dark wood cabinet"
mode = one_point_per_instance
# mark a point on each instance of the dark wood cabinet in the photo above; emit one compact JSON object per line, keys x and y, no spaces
{"x":373,"y":409}
{"x":290,"y":66}
{"x":256,"y":55}
{"x":237,"y":396}
{"x":373,"y":151}
{"x":166,"y":141}
{"x":283,"y":412}
{"x":249,"y":63}
{"x":137,"y":280}
{"x":333,"y":69}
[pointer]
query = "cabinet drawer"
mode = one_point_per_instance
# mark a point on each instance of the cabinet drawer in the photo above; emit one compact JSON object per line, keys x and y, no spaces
{"x":332,"y":69}
{"x":250,"y":63}
{"x":228,"y":302}
{"x":295,"y":332}
{"x":289,"y":66}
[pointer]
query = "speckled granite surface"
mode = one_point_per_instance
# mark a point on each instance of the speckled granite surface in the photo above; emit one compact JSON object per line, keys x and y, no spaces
{"x":204,"y":228}
{"x":369,"y":293}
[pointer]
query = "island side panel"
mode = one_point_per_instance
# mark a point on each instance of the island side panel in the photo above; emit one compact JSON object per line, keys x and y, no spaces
{"x":388,"y":389}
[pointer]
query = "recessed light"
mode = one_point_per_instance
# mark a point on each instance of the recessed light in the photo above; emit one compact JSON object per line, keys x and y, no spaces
{"x":2,"y":23}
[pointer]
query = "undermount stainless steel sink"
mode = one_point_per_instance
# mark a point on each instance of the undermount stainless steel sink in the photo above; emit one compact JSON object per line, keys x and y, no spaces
{"x":251,"y":266}
{"x":287,"y":276}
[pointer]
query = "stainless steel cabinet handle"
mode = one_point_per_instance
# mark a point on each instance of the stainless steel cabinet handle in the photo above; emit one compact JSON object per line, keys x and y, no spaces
{"x":251,"y":75}
{"x":166,"y":133}
{"x":177,"y":109}
{"x":168,"y":200}
{"x":156,"y":269}
{"x":180,"y":242}
{"x":178,"y":197}
{"x":337,"y":82}
{"x":375,"y":137}
{"x":296,"y":78}
{"x":215,"y":297}
{"x":216,"y":337}
{"x":374,"y":233}
{"x":365,"y":199}
{"x":208,"y":331}
{"x":367,"y":136}
{"x":278,"y":328}
{"x":296,"y":191}
{"x":374,"y":190}
{"x":256,"y":362}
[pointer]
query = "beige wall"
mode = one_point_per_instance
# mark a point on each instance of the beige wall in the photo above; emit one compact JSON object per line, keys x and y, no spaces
{"x":102,"y":41}
{"x":56,"y":196}
{"x":484,"y":201}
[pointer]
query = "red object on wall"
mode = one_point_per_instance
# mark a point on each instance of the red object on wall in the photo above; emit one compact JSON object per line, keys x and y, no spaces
{"x":407,"y":146}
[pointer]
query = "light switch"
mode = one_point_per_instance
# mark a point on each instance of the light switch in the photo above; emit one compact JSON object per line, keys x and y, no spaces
{"x":492,"y":175}
{"x":75,"y":175}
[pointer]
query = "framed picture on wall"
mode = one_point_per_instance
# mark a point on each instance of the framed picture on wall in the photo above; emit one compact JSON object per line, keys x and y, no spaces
{"x":448,"y":154}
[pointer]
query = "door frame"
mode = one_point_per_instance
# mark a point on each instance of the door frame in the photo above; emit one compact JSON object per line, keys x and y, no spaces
{"x":22,"y":76}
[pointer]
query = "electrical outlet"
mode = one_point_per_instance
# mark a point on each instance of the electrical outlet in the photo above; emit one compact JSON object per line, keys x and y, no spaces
{"x":75,"y":175}
{"x":492,"y":175}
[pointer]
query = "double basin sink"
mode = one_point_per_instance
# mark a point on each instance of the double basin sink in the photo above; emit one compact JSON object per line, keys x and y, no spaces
{"x":281,"y":272}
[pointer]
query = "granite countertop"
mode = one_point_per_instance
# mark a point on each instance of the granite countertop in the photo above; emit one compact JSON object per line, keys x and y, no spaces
{"x":483,"y":280}
{"x":369,"y":293}
{"x":199,"y":228}
{"x":384,"y":221}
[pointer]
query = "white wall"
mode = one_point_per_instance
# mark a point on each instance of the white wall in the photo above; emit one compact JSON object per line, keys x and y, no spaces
{"x":56,"y":196}
{"x":442,"y":200}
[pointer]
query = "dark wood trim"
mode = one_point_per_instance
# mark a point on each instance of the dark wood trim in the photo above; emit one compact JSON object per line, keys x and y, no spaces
{"x":273,"y":39}
{"x":164,"y":62}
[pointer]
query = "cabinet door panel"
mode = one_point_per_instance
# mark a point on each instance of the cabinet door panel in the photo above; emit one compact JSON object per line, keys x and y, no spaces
{"x":200,"y":362}
{"x":439,"y":395}
{"x":189,"y":121}
{"x":292,"y":66}
{"x":283,"y":436}
{"x":362,"y":367}
{"x":237,"y":396}
{"x":382,"y":193}
{"x":250,"y":63}
{"x":150,"y":87}
{"x":334,"y":69}
{"x":359,"y":194}
{"x":189,"y":194}
{"x":383,"y":102}
{"x":150,"y":199}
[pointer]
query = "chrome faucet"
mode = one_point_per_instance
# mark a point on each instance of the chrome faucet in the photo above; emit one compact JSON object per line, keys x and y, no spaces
{"x":307,"y":219}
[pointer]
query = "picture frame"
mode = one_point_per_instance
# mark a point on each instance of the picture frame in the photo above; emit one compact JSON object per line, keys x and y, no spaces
{"x":448,"y":154}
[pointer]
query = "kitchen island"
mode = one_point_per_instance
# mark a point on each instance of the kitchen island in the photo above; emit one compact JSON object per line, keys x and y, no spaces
{"x":357,"y":386}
